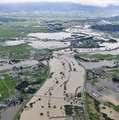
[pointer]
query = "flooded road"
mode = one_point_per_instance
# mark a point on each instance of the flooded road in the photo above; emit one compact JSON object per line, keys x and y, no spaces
{"x":93,"y":65}
{"x":56,"y":36}
{"x":24,"y":63}
{"x":39,"y":44}
{"x":49,"y":44}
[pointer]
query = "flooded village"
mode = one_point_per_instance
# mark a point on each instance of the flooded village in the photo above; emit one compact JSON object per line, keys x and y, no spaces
{"x":59,"y":65}
{"x":56,"y":80}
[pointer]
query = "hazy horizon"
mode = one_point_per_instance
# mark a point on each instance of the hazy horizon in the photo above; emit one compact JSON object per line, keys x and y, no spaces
{"x":100,"y":3}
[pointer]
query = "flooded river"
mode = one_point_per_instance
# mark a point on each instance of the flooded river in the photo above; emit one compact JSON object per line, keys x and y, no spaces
{"x":49,"y":101}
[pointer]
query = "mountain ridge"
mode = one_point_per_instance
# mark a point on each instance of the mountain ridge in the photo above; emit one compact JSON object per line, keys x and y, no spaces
{"x":53,"y":6}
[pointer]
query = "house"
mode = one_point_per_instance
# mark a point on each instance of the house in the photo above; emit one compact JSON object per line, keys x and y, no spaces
{"x":117,"y":90}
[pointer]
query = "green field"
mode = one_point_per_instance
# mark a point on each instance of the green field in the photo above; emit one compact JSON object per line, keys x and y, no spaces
{"x":92,"y":107}
{"x":99,"y":56}
{"x":19,"y":29}
{"x":4,"y":71}
{"x":8,"y":82}
{"x":15,"y":52}
{"x":95,"y":80}
{"x":41,"y":74}
{"x":116,"y":108}
{"x":6,"y":85}
{"x":114,"y":71}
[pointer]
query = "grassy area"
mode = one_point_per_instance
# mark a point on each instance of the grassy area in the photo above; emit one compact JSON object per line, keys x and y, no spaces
{"x":98,"y":56}
{"x":105,"y":88}
{"x":2,"y":86}
{"x":19,"y":29}
{"x":4,"y":92}
{"x":114,"y":71}
{"x":43,"y":54}
{"x":10,"y":81}
{"x":6,"y":85}
{"x":40,"y":74}
{"x":116,"y":108}
{"x":15,"y":48}
{"x":116,"y":57}
{"x":1,"y":107}
{"x":36,"y":22}
{"x":18,"y":23}
{"x":15,"y":52}
{"x":86,"y":108}
{"x":8,"y":33}
{"x":4,"y":71}
{"x":92,"y":107}
{"x":95,"y":80}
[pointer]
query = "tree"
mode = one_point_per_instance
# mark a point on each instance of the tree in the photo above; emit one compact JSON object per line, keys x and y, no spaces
{"x":41,"y":114}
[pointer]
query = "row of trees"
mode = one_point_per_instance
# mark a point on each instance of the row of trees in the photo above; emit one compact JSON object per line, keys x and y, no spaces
{"x":107,"y":27}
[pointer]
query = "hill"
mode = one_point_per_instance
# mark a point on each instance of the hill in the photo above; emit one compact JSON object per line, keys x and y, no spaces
{"x":52,"y":6}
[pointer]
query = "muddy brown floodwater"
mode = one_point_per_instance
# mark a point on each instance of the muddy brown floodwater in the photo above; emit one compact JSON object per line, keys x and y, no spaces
{"x":48,"y":102}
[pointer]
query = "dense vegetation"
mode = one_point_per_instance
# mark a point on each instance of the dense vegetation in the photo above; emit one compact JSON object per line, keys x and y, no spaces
{"x":68,"y":109}
{"x":3,"y":19}
{"x":115,"y":79}
{"x":96,"y":57}
{"x":6,"y":86}
{"x":15,"y":52}
{"x":107,"y":27}
{"x":20,"y":29}
{"x":94,"y":110}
